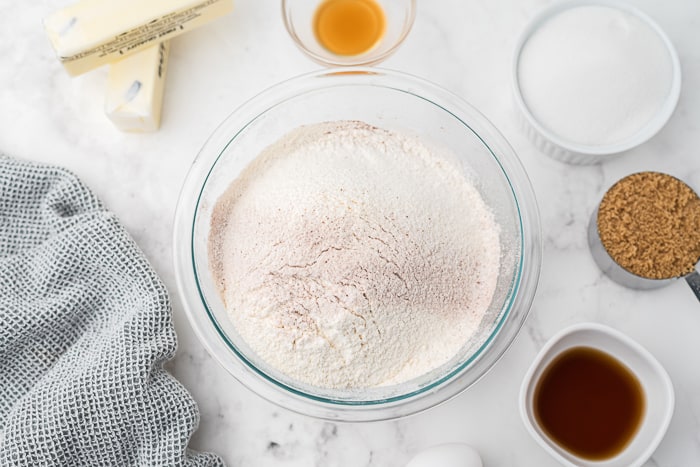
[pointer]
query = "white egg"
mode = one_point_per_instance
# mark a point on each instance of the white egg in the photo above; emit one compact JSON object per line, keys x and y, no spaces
{"x":447,"y":455}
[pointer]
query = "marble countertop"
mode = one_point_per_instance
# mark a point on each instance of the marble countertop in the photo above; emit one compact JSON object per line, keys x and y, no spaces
{"x":464,"y":46}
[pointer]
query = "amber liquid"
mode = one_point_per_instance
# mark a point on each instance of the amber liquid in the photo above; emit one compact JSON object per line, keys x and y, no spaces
{"x":349,"y":27}
{"x":589,"y":403}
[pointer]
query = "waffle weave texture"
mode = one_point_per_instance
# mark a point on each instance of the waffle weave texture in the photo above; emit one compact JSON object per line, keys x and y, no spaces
{"x":85,"y":327}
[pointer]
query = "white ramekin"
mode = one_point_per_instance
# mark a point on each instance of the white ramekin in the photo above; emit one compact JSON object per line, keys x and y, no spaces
{"x":556,"y":146}
{"x":656,"y":384}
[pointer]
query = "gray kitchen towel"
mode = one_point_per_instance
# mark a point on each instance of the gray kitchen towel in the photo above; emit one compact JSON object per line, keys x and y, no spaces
{"x":85,"y":327}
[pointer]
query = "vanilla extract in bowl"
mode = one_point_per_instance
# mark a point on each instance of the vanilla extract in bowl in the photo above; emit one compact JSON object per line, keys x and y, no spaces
{"x":589,"y":403}
{"x":593,"y":397}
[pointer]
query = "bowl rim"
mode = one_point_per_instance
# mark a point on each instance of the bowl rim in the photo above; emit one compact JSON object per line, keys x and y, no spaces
{"x":333,"y":60}
{"x":547,"y":354}
{"x":597,"y":152}
{"x":518,"y":302}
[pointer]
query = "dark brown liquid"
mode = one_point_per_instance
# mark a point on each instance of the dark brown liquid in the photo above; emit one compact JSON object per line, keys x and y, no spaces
{"x":589,"y":403}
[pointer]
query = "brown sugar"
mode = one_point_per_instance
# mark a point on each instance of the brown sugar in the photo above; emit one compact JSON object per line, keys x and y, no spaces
{"x":649,"y":223}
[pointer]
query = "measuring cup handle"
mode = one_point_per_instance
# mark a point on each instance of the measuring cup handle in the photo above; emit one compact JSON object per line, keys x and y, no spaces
{"x":693,"y":280}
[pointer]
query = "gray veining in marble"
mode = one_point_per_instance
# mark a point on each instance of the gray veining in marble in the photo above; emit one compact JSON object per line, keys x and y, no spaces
{"x":462,"y":45}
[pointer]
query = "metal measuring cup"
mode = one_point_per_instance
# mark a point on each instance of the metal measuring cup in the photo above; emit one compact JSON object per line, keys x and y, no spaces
{"x":621,"y":275}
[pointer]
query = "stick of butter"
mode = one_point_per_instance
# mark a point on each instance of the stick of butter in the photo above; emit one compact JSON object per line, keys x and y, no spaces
{"x":92,"y":33}
{"x":135,"y":89}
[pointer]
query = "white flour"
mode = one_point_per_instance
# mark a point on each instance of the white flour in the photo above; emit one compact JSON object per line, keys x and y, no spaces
{"x":594,"y":75}
{"x":349,"y":256}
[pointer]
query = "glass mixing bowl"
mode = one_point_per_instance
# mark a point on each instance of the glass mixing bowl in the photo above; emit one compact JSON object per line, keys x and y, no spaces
{"x":392,"y":101}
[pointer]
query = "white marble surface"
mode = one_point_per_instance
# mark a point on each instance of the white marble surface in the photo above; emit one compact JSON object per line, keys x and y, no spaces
{"x":462,"y":45}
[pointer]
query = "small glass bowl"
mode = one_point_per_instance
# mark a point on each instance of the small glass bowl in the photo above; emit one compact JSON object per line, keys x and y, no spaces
{"x":299,"y":16}
{"x":393,"y":101}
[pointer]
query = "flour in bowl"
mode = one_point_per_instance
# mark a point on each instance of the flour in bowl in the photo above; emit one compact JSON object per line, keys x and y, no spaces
{"x":348,"y":256}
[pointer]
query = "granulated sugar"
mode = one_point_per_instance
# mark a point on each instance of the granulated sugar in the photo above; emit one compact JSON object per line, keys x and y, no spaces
{"x":595,"y":75}
{"x":348,"y":256}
